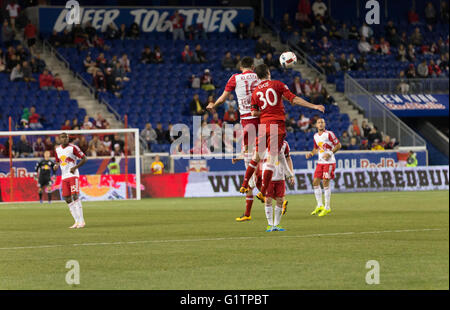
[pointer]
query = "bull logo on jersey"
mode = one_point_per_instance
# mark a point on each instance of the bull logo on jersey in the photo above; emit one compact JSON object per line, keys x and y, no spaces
{"x":63,"y":160}
{"x":321,"y":150}
{"x":323,"y":147}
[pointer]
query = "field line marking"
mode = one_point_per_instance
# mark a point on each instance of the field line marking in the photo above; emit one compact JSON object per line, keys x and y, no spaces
{"x":219,"y":239}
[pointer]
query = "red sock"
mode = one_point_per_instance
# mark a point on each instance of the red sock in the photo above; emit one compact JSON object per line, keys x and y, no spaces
{"x":267,"y":177}
{"x":248,"y":205}
{"x":250,"y":170}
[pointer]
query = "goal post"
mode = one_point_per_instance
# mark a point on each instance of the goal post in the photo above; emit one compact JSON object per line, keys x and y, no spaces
{"x":131,"y":137}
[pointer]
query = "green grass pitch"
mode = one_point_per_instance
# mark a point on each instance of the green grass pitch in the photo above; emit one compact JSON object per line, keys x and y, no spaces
{"x":196,"y":244}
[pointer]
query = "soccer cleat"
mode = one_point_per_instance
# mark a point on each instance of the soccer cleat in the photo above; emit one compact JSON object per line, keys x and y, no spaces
{"x":261,"y":197}
{"x":284,"y":209}
{"x":244,"y":190}
{"x":74,"y":225}
{"x":243,"y":218}
{"x":317,"y":210}
{"x":270,"y":228}
{"x":324,"y":212}
{"x":81,"y":225}
{"x":278,"y":228}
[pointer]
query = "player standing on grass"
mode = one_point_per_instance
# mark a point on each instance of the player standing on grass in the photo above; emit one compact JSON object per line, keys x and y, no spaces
{"x":66,"y":158}
{"x":267,"y":103}
{"x":326,"y":145}
{"x":243,"y":84}
{"x":44,"y":170}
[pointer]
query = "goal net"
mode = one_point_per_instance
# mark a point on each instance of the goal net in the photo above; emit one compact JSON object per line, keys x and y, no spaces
{"x":112,"y":170}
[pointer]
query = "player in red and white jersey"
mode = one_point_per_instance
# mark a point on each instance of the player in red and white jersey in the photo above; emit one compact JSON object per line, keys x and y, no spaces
{"x":243,"y":84}
{"x":325,"y":145}
{"x":66,"y":156}
{"x":267,"y":103}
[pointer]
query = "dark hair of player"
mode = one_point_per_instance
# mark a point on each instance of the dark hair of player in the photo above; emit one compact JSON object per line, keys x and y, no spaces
{"x":262,"y":71}
{"x":247,"y":62}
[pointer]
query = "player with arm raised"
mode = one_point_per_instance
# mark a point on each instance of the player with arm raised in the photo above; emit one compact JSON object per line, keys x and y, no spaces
{"x":44,"y":170}
{"x":66,"y":158}
{"x":325,"y":145}
{"x":243,"y":84}
{"x":267,"y":103}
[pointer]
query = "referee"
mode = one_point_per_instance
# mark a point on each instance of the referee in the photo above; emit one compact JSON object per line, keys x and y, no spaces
{"x":44,"y":170}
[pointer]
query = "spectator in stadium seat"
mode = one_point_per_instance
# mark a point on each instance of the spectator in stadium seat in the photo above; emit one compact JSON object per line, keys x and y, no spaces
{"x":149,"y":134}
{"x":237,"y":62}
{"x":304,"y":43}
{"x":353,"y":146}
{"x":364,"y":47}
{"x":87,"y":124}
{"x":2,"y":61}
{"x":376,"y":146}
{"x":187,"y":55}
{"x":177,"y":21}
{"x":241,"y":31}
{"x":89,"y":30}
{"x":394,"y":38}
{"x":99,"y":43}
{"x":352,"y":62}
{"x":30,"y":32}
{"x":413,"y":17}
{"x":23,"y":147}
{"x":444,"y":12}
{"x":58,"y":83}
{"x":231,"y":115}
{"x":343,"y":63}
{"x":304,"y":13}
{"x":75,"y":124}
{"x":101,"y":122}
{"x":122,"y":32}
{"x":403,"y":86}
{"x":134,"y":31}
{"x":230,"y":102}
{"x":120,"y":73}
{"x":294,"y":38}
{"x":46,"y":80}
{"x":354,"y":130}
{"x":303,"y":123}
{"x":353,"y":33}
{"x":160,"y":134}
{"x":258,"y":60}
{"x":27,"y":73}
{"x":38,"y":147}
{"x":196,"y":106}
{"x":327,"y":98}
{"x":111,"y":32}
{"x":158,"y":55}
{"x":125,"y":62}
{"x":365,"y":129}
{"x":296,"y":87}
{"x":388,"y":143}
{"x":401,"y":53}
{"x":194,"y":81}
{"x":16,"y":74}
{"x":199,"y":54}
{"x":8,"y":34}
{"x":373,"y":135}
{"x":324,"y":44}
{"x":443,"y":62}
{"x":411,"y":53}
{"x":422,"y":69}
{"x":307,"y":89}
{"x":385,"y":47}
{"x":111,"y":82}
{"x":34,"y":119}
{"x":345,"y":140}
{"x":94,"y":144}
{"x":100,"y":81}
{"x":316,"y":87}
{"x":67,"y":125}
{"x":147,"y":56}
{"x":343,"y":32}
{"x":430,"y":14}
{"x":207,"y":82}
{"x":272,"y":63}
{"x":291,"y":124}
{"x":157,"y":166}
{"x":365,"y":31}
{"x":90,"y":65}
{"x":416,"y":37}
{"x":433,"y":69}
{"x":260,"y":47}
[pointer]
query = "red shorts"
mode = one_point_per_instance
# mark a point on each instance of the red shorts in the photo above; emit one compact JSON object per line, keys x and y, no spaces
{"x":276,"y":189}
{"x":325,"y":171}
{"x":70,"y":186}
{"x":250,"y":127}
{"x":275,"y":138}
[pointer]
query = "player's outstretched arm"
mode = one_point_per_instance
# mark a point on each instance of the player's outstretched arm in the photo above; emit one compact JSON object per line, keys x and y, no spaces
{"x":211,"y":106}
{"x":303,"y":103}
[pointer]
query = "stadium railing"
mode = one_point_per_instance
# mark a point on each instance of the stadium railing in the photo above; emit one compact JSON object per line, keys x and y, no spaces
{"x":47,"y":46}
{"x":379,"y":115}
{"x":392,"y":86}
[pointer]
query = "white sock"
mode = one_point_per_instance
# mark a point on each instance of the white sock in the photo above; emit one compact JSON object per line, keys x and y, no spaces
{"x":269,"y":215}
{"x":79,"y":209}
{"x":327,"y":191}
{"x":277,"y":215}
{"x":73,"y":211}
{"x":318,"y":193}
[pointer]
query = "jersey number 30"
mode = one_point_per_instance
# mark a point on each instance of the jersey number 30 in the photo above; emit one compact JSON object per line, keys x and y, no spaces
{"x":265,"y":98}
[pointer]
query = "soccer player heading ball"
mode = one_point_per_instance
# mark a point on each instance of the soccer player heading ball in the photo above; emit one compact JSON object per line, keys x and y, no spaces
{"x":66,"y":158}
{"x":325,"y":144}
{"x":44,"y":170}
{"x":267,"y":103}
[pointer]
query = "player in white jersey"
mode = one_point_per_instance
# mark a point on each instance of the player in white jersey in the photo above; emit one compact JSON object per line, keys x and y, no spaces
{"x":243,"y":84}
{"x":277,"y":188}
{"x":66,"y":158}
{"x":325,"y":145}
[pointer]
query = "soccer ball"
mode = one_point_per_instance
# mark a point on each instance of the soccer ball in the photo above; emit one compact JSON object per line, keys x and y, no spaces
{"x":288,"y":59}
